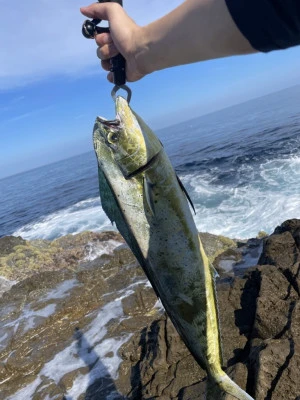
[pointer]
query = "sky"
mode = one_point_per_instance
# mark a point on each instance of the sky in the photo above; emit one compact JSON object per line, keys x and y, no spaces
{"x":52,"y":86}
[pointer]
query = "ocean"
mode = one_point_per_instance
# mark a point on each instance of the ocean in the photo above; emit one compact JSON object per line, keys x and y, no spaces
{"x":240,"y":165}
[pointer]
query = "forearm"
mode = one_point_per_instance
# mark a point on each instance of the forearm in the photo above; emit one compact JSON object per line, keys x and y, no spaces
{"x":196,"y":30}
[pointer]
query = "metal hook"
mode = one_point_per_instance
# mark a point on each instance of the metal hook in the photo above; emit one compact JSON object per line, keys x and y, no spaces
{"x":124,"y":87}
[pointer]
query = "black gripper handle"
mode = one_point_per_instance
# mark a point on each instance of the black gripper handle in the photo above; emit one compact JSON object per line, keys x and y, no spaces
{"x":111,"y":1}
{"x":90,"y":29}
{"x":118,"y":69}
{"x":117,"y":62}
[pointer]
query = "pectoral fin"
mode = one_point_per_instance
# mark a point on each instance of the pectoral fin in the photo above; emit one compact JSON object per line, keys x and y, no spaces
{"x":148,"y":195}
{"x":186,"y":193}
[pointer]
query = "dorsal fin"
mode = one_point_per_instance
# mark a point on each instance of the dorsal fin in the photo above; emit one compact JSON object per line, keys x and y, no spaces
{"x":186,"y":193}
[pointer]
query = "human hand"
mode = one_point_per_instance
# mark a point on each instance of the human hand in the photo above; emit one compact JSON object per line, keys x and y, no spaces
{"x":125,"y":37}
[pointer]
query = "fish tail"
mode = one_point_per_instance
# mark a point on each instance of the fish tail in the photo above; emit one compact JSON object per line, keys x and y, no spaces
{"x":217,"y":388}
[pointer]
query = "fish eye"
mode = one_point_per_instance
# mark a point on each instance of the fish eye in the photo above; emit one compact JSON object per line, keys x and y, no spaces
{"x":113,"y":137}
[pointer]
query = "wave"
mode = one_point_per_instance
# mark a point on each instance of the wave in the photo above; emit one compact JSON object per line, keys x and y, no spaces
{"x":235,"y":198}
{"x":84,"y":215}
{"x":256,"y":198}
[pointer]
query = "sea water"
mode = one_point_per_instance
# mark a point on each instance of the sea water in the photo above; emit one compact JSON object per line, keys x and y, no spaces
{"x":240,"y":165}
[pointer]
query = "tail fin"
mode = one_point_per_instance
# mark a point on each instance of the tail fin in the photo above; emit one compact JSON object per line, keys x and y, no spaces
{"x":217,"y":389}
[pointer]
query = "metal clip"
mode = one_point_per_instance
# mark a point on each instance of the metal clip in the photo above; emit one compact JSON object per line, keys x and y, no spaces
{"x":124,"y":87}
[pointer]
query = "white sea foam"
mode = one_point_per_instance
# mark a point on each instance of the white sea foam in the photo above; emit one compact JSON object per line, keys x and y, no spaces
{"x":159,"y":306}
{"x":85,"y":215}
{"x":61,"y":290}
{"x":3,"y":338}
{"x":95,"y":250}
{"x":5,"y":284}
{"x":245,"y":209}
{"x":29,"y":317}
{"x":89,"y":347}
{"x":262,"y":198}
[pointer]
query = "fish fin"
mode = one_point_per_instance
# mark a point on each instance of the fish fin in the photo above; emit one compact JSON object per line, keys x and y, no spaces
{"x":218,"y":388}
{"x":111,"y":208}
{"x":186,"y":193}
{"x":148,"y":194}
{"x":107,"y":198}
{"x":214,"y":272}
{"x":186,"y":299}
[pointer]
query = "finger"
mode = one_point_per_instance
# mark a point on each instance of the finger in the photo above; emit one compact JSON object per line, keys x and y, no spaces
{"x":97,"y":10}
{"x":106,"y":65}
{"x":92,"y":11}
{"x":107,"y":51}
{"x":110,"y":77}
{"x":113,"y":12}
{"x":103,"y":38}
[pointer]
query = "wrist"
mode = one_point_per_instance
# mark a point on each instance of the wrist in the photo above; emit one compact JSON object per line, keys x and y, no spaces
{"x":145,"y":63}
{"x":157,"y":45}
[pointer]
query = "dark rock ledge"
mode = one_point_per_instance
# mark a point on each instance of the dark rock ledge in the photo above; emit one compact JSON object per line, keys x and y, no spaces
{"x":259,"y":315}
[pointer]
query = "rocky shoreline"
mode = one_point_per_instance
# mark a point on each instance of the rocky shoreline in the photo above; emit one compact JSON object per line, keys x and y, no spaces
{"x":79,"y":320}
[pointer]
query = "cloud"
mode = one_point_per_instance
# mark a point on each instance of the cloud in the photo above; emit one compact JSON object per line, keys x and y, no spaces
{"x":42,"y":38}
{"x":11,"y":104}
{"x":29,"y":114}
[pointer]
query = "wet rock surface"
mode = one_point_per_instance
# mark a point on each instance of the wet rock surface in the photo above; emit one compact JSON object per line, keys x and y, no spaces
{"x":82,"y":322}
{"x":20,"y":259}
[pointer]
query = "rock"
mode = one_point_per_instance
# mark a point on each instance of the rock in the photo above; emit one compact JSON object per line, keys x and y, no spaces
{"x":20,"y":259}
{"x":215,"y":245}
{"x":278,"y":363}
{"x":39,"y":315}
{"x":194,"y":392}
{"x":83,"y":322}
{"x":8,"y":243}
{"x":163,"y":364}
{"x":274,"y":348}
{"x":235,"y":260}
{"x":273,"y":305}
{"x":141,"y":301}
{"x":257,"y":311}
{"x":280,"y":250}
{"x":292,"y":226}
{"x":5,"y":285}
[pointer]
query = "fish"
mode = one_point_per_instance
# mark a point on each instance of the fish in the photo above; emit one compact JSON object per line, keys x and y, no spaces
{"x":141,"y":193}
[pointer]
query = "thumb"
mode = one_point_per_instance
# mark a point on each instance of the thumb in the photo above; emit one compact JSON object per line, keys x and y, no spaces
{"x":98,"y":10}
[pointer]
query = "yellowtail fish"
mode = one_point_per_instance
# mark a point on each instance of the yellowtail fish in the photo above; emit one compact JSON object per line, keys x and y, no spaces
{"x":142,"y":195}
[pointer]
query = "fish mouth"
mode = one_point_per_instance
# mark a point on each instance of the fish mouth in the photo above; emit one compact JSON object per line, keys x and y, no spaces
{"x":110,"y":123}
{"x":122,"y":111}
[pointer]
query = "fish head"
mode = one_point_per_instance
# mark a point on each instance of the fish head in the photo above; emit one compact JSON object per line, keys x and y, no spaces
{"x":131,"y":143}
